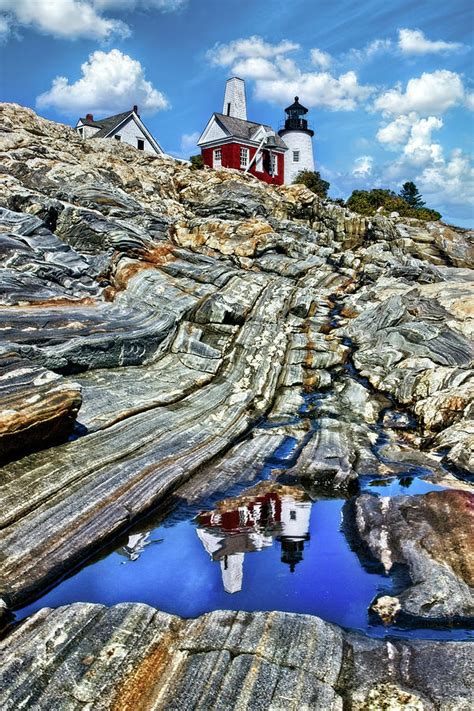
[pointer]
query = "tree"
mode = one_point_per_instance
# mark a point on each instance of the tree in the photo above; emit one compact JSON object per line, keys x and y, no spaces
{"x":368,"y":202}
{"x":410,"y":194}
{"x":197,"y":162}
{"x":313,"y":181}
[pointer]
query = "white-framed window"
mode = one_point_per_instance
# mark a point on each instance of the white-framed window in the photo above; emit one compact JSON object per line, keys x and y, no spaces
{"x":244,"y":157}
{"x":140,"y":144}
{"x":217,"y":158}
{"x":273,"y":164}
{"x":296,"y":156}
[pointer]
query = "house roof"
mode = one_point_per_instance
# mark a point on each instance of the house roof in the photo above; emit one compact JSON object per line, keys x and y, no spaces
{"x":244,"y":129}
{"x":107,"y":124}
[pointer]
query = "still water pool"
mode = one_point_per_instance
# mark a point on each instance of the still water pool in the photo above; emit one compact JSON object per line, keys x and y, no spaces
{"x":263,"y":545}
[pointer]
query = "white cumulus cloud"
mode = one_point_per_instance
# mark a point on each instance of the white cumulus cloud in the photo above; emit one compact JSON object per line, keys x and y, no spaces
{"x":416,"y":42}
{"x":62,"y":18}
{"x":278,"y":78}
{"x":343,"y":93}
{"x":431,"y":93}
{"x":111,"y":82}
{"x":449,"y":182}
{"x":76,"y":18}
{"x":226,"y":54}
{"x":255,"y":68}
{"x":394,"y":134}
{"x":321,"y":59}
{"x":363,"y":166}
{"x":419,"y":148}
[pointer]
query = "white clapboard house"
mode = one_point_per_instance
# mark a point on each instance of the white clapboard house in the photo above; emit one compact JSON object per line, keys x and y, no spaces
{"x":126,"y":127}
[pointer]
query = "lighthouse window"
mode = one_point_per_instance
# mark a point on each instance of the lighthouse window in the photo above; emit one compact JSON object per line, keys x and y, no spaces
{"x":296,"y":156}
{"x":244,"y":157}
{"x":293,"y":515}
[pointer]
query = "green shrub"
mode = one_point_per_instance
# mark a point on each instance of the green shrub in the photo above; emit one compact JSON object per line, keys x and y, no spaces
{"x":313,"y":181}
{"x":367,"y":202}
{"x":197,"y":162}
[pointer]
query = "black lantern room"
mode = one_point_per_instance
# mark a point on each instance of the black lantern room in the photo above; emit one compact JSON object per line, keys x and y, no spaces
{"x":295,"y":120}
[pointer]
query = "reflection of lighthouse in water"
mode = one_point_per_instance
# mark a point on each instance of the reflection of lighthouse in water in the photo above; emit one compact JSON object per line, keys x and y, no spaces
{"x":295,"y":517}
{"x":252,"y":522}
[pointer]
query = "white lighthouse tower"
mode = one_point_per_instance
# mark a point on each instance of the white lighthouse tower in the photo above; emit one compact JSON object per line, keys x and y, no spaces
{"x":299,"y":139}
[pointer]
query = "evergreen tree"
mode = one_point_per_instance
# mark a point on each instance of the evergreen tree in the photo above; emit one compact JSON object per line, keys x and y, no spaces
{"x":410,"y":194}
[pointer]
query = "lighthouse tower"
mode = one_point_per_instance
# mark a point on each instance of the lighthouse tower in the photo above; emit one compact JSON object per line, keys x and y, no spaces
{"x":299,"y":139}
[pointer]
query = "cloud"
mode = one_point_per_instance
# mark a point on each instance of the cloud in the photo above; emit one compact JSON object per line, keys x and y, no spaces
{"x":395,"y":133}
{"x":363,"y":166}
{"x":413,"y":134}
{"x":450,"y":182}
{"x":188,"y":142}
{"x":342,"y":93}
{"x":163,"y":5}
{"x":255,"y":68}
{"x":278,"y":78}
{"x":224,"y":55}
{"x":416,"y":42}
{"x":62,"y":18}
{"x":419,"y":149}
{"x":377,"y":46}
{"x":431,"y":93}
{"x":321,"y":59}
{"x":111,"y":82}
{"x":75,"y":18}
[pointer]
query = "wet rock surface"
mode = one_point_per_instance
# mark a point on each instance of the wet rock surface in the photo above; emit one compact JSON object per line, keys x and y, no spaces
{"x":162,"y":332}
{"x":132,"y":656}
{"x":430,"y":534}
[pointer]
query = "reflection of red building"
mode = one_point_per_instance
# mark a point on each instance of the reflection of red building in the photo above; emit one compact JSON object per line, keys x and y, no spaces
{"x":252,"y":522}
{"x":262,"y":511}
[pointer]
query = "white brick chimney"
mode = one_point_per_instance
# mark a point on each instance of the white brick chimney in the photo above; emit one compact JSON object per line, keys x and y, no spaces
{"x":235,"y":103}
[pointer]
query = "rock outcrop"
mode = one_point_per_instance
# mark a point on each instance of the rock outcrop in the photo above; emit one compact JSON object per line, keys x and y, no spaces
{"x":133,"y":657}
{"x":431,"y":535}
{"x":164,"y":331}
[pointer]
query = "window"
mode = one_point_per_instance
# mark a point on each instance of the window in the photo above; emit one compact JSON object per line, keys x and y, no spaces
{"x":117,"y":137}
{"x":273,"y":164}
{"x":293,"y":515}
{"x":81,"y":132}
{"x":244,"y":157}
{"x":217,"y":158}
{"x":296,"y":156}
{"x":140,"y":144}
{"x":228,"y":109}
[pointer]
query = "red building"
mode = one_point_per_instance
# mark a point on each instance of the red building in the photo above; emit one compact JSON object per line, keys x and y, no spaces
{"x":230,"y":141}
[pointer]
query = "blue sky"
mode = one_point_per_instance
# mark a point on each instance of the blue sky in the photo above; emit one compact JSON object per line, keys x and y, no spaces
{"x":388,"y":84}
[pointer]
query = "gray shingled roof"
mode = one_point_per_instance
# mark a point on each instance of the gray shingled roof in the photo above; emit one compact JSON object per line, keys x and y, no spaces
{"x":244,"y":129}
{"x":107,"y":124}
